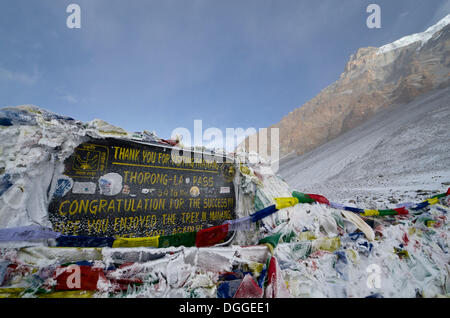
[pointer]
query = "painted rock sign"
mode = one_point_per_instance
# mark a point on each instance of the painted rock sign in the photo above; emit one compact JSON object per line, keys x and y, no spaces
{"x":114,"y":187}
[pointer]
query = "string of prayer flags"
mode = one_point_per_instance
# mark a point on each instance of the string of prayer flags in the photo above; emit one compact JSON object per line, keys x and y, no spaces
{"x":205,"y":237}
{"x":430,"y":201}
{"x":396,"y":211}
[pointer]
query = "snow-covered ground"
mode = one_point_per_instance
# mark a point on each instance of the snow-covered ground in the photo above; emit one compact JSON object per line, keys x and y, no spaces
{"x":400,"y":154}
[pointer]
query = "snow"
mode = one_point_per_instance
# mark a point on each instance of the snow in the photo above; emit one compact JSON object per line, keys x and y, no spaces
{"x":422,"y":37}
{"x":401,"y":153}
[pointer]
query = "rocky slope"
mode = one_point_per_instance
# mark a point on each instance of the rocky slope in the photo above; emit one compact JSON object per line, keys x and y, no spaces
{"x":373,"y":79}
{"x":401,"y":153}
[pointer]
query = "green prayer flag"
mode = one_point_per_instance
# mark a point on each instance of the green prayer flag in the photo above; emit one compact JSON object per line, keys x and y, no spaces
{"x":302,"y":197}
{"x":272,"y":240}
{"x":181,"y":239}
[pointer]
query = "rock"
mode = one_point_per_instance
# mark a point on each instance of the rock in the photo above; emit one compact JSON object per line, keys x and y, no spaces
{"x":372,"y":80}
{"x":393,"y":200}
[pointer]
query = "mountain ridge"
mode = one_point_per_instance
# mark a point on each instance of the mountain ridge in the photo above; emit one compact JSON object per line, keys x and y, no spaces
{"x":373,"y":79}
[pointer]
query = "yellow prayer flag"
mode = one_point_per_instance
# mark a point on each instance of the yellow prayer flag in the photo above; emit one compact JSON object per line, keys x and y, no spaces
{"x":69,"y":294}
{"x":282,"y":203}
{"x":137,"y":242}
{"x":371,"y":212}
{"x":10,"y":292}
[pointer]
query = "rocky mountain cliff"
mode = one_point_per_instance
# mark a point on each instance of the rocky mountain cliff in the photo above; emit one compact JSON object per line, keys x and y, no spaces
{"x":373,"y":79}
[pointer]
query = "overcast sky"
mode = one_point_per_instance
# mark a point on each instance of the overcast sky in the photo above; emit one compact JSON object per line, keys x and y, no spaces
{"x":161,"y":64}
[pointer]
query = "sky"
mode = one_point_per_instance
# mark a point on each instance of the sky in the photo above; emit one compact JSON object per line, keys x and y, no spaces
{"x":161,"y":64}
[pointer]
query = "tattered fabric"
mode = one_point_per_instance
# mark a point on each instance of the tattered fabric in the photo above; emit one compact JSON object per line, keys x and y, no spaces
{"x":27,"y":233}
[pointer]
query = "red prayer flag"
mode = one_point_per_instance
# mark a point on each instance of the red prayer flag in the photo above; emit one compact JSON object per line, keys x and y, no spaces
{"x":276,"y":287}
{"x":248,"y":288}
{"x":319,"y":198}
{"x":401,"y":210}
{"x":211,"y":235}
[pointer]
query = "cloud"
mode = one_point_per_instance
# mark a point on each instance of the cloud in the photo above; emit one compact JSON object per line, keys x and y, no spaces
{"x":66,"y":96}
{"x":70,"y":99}
{"x":404,"y":14}
{"x":19,"y":77}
